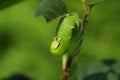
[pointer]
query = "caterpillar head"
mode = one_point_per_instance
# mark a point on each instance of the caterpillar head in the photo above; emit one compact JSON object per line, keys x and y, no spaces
{"x":56,"y":43}
{"x":57,"y":47}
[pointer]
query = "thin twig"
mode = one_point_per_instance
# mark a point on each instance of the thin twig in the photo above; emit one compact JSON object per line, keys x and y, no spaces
{"x":67,"y":69}
{"x":86,"y":13}
{"x":69,"y":62}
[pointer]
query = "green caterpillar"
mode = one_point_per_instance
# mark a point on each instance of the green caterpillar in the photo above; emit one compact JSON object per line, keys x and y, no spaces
{"x":61,"y":42}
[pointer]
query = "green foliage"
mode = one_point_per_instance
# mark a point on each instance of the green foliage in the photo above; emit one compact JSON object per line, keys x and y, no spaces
{"x":96,"y":70}
{"x":7,"y":3}
{"x":93,"y":2}
{"x":28,"y":52}
{"x":51,"y":9}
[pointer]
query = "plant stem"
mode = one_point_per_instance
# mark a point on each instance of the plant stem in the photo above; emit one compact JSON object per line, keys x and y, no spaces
{"x":69,"y":61}
{"x":67,"y":69}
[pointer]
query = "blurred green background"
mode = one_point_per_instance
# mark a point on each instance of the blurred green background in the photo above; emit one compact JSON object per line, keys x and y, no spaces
{"x":25,"y":39}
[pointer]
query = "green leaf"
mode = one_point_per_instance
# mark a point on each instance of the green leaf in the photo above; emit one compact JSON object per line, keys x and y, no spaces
{"x":51,"y":9}
{"x":96,"y":70}
{"x":93,"y":2}
{"x":7,"y":3}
